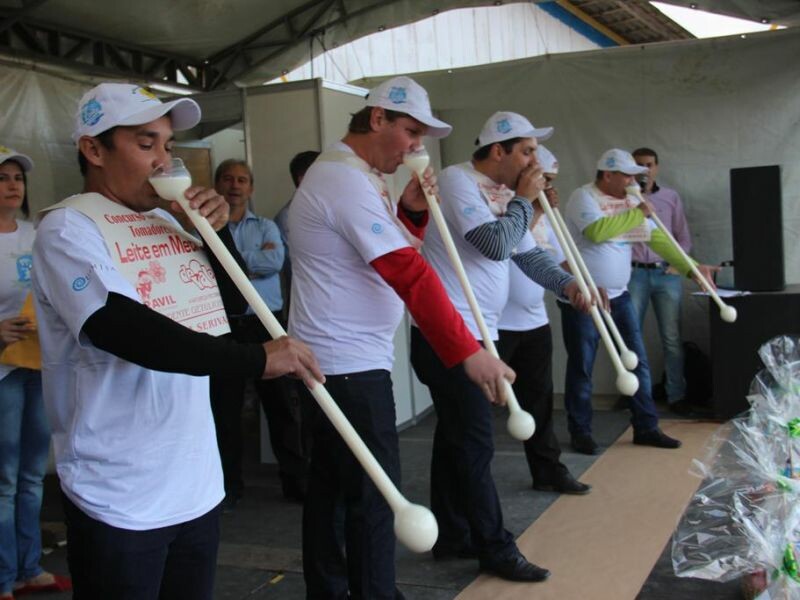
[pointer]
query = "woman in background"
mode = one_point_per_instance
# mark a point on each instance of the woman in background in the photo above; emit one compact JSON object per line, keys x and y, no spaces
{"x":24,"y":433}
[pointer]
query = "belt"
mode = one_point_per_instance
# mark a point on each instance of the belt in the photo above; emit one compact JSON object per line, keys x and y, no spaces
{"x":641,"y":265}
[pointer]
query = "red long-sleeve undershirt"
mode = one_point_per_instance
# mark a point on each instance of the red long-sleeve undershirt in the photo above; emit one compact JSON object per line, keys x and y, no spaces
{"x":417,"y":284}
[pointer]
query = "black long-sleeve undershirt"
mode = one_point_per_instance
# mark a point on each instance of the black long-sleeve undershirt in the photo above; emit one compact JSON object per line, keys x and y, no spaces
{"x":140,"y":335}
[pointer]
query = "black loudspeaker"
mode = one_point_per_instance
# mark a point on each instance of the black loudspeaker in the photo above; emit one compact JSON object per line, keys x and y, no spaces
{"x":757,"y":221}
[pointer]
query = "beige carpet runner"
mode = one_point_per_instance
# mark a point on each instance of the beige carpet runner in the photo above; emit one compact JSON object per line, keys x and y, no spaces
{"x":603,"y":546}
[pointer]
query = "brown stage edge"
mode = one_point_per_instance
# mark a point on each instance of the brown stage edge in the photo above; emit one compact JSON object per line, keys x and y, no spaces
{"x":603,"y":546}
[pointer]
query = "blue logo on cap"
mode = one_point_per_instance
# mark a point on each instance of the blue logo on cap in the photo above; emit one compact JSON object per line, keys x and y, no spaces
{"x":503,"y":126}
{"x":377,"y":228}
{"x":80,"y":283}
{"x":611,"y":162}
{"x":91,"y":112}
{"x":397,"y":95}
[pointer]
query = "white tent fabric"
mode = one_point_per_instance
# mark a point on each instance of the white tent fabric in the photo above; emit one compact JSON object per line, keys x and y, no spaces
{"x":450,"y":40}
{"x":36,"y":118}
{"x":201,"y":29}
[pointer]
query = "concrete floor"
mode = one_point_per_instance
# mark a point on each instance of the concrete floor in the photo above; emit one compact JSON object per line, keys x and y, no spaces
{"x":260,"y":555}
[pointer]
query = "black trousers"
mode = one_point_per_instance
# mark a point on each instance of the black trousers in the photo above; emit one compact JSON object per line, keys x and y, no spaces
{"x":169,"y":563}
{"x":282,"y":406}
{"x":530,"y":354}
{"x":338,"y":487}
{"x":463,"y":494}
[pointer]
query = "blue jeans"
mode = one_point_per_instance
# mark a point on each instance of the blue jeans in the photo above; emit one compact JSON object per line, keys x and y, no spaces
{"x":581,"y":339}
{"x":24,"y":444}
{"x":665,"y":290}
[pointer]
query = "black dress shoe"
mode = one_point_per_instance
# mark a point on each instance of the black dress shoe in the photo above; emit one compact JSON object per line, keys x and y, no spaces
{"x":515,"y":568}
{"x":584,"y":444}
{"x":655,"y":437}
{"x":563,"y":484}
{"x":684,"y":408}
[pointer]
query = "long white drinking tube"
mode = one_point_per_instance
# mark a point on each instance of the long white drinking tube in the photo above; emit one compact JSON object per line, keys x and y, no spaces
{"x":627,"y":383}
{"x":414,"y":525}
{"x":726,"y":311}
{"x":628,"y":357}
{"x":520,"y":423}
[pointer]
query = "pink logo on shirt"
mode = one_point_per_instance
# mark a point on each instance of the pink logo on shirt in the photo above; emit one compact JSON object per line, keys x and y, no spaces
{"x":154,"y":273}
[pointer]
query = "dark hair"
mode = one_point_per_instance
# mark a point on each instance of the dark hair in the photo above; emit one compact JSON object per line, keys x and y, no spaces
{"x":106,"y":140}
{"x":482,"y":153}
{"x":599,"y":175}
{"x":230,"y":163}
{"x":359,"y":122}
{"x":300,"y":164}
{"x":645,"y":152}
{"x":25,"y":208}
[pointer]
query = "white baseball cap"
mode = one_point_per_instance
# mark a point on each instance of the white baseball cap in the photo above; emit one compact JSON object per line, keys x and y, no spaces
{"x":547,"y":160}
{"x":619,"y":160}
{"x":405,"y":95}
{"x":24,"y":160}
{"x":503,"y":126}
{"x":112,"y":104}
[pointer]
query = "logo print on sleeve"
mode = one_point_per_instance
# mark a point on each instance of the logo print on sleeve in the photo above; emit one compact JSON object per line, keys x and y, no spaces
{"x":377,"y":228}
{"x":80,"y":283}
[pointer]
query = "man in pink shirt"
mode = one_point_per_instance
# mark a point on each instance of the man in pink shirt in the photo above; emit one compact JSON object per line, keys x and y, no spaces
{"x":653,"y":280}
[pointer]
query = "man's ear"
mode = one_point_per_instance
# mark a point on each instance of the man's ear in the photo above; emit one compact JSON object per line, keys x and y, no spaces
{"x":377,"y":118}
{"x":90,"y":148}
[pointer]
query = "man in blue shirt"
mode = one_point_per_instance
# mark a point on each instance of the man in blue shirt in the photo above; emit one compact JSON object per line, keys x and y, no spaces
{"x":259,"y":242}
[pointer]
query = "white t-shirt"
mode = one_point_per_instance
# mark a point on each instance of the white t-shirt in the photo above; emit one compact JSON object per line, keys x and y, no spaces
{"x":608,"y":262}
{"x":341,"y":307}
{"x":525,"y":309}
{"x":15,"y":274}
{"x":134,"y":448}
{"x":464,"y":209}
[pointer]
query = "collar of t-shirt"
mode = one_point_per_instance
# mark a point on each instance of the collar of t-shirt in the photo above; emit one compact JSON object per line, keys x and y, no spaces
{"x":342,"y":153}
{"x":497,"y":195}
